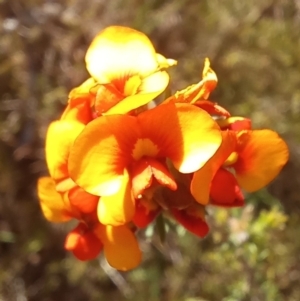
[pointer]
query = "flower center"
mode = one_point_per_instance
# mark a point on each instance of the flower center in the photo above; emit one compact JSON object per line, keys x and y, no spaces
{"x":144,"y":147}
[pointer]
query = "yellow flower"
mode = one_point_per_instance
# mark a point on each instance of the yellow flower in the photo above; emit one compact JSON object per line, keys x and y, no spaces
{"x":127,"y":69}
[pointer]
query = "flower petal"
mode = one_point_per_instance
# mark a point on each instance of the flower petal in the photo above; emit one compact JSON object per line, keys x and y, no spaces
{"x":117,"y":209}
{"x":193,"y":219}
{"x":59,"y":140}
{"x":199,"y":91}
{"x":80,"y":102}
{"x":201,"y":182}
{"x":102,"y":152}
{"x":84,"y":244}
{"x":145,"y":212}
{"x":120,"y":247}
{"x":118,"y":52}
{"x":142,"y":177}
{"x":184,"y":133}
{"x":225,"y":190}
{"x":82,"y":200}
{"x":262,"y":154}
{"x":151,"y":87}
{"x":143,"y":171}
{"x":106,"y":98}
{"x":55,"y":208}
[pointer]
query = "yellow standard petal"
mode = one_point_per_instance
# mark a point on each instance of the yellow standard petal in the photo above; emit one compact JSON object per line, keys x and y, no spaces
{"x":119,"y":52}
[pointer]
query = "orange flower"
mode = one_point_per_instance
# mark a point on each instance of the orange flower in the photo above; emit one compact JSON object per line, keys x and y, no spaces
{"x":105,"y":154}
{"x":73,"y":204}
{"x":115,"y":164}
{"x":83,"y":242}
{"x":89,"y":237}
{"x":63,"y":206}
{"x":127,"y":70}
{"x":261,"y":156}
{"x":256,"y":157}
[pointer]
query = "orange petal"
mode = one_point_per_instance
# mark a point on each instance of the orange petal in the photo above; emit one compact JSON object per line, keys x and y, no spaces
{"x":117,"y":209}
{"x":83,"y":201}
{"x":150,"y":88}
{"x":143,"y":171}
{"x":141,"y":175}
{"x":162,"y":175}
{"x":200,"y":185}
{"x":120,"y":52}
{"x":84,"y":244}
{"x":144,"y":214}
{"x":55,"y":208}
{"x":193,"y":219}
{"x":184,"y":133}
{"x":107,"y":97}
{"x":102,"y":152}
{"x":225,"y":191}
{"x":59,"y":140}
{"x":262,"y":154}
{"x":81,"y":100}
{"x":120,"y":247}
{"x":81,"y":112}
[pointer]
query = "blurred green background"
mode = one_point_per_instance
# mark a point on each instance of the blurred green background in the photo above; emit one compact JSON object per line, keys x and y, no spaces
{"x":251,"y":254}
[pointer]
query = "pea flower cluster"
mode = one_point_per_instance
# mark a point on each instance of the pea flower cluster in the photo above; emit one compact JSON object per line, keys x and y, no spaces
{"x":117,"y":159}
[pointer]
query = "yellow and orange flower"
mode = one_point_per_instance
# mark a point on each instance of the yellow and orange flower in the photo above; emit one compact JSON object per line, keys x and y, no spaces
{"x":126,"y":69}
{"x":255,"y":156}
{"x":106,"y":153}
{"x":115,"y":164}
{"x":89,"y":237}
